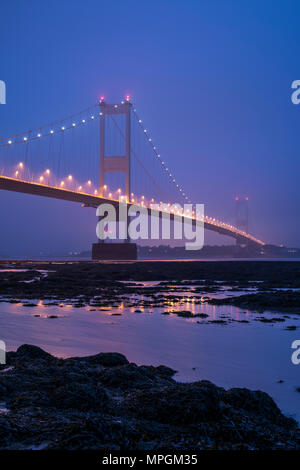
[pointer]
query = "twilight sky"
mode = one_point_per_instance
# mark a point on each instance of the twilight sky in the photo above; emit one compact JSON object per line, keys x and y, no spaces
{"x":211,"y":80}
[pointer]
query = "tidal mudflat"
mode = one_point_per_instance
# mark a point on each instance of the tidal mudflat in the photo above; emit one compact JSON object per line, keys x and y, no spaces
{"x":207,"y":321}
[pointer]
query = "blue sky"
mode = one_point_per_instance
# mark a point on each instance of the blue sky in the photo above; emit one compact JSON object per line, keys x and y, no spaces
{"x":212,"y":80}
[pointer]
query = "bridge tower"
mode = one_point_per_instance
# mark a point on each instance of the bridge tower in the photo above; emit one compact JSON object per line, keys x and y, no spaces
{"x":241,"y":216}
{"x":115,"y":163}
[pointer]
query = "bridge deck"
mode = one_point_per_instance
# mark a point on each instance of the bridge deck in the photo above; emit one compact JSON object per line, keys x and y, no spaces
{"x":38,"y":189}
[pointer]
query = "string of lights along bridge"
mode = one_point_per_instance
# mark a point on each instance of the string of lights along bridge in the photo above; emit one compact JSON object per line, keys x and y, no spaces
{"x":104,"y":152}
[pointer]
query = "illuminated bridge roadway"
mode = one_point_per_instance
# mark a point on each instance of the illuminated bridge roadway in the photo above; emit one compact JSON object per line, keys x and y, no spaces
{"x":90,"y":200}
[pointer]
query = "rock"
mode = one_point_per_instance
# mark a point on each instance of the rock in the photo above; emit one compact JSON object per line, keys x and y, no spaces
{"x":80,"y":397}
{"x":164,"y":370}
{"x":107,"y":359}
{"x":28,"y":353}
{"x":183,"y":313}
{"x":126,"y":377}
{"x":220,"y":322}
{"x":257,"y":402}
{"x":179,"y":404}
{"x":84,"y":403}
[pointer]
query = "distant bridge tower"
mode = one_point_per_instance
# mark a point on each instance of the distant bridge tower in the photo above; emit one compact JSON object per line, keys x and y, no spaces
{"x":241,"y":216}
{"x":115,"y":163}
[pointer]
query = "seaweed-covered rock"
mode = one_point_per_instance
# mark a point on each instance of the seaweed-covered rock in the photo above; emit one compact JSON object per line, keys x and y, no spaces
{"x":103,"y":401}
{"x":28,"y":353}
{"x":178,"y":404}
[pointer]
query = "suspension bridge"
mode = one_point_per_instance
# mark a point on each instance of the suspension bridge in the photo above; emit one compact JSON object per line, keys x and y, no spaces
{"x":103,"y":154}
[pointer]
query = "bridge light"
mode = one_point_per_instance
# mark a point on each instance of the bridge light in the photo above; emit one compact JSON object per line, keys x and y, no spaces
{"x":140,"y":121}
{"x":83,"y":121}
{"x":62,"y":183}
{"x":127,"y":97}
{"x":9,"y":142}
{"x":48,"y":171}
{"x":41,"y":178}
{"x":70,"y":177}
{"x":21,"y":165}
{"x":51,"y":131}
{"x":110,"y":195}
{"x":25,"y":138}
{"x":80,"y":188}
{"x":92,"y":117}
{"x":89,"y":182}
{"x":63,"y":128}
{"x":73,"y":124}
{"x":16,"y":173}
{"x":104,"y":187}
{"x":39,"y":135}
{"x":95,"y":192}
{"x":101,"y":99}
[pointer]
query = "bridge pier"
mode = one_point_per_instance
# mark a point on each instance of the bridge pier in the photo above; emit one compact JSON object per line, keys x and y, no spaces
{"x":114,"y":251}
{"x":106,"y":249}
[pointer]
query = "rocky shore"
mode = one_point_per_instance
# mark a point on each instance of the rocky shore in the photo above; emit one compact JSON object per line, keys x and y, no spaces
{"x":287,"y":301}
{"x":105,"y":284}
{"x":105,"y":402}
